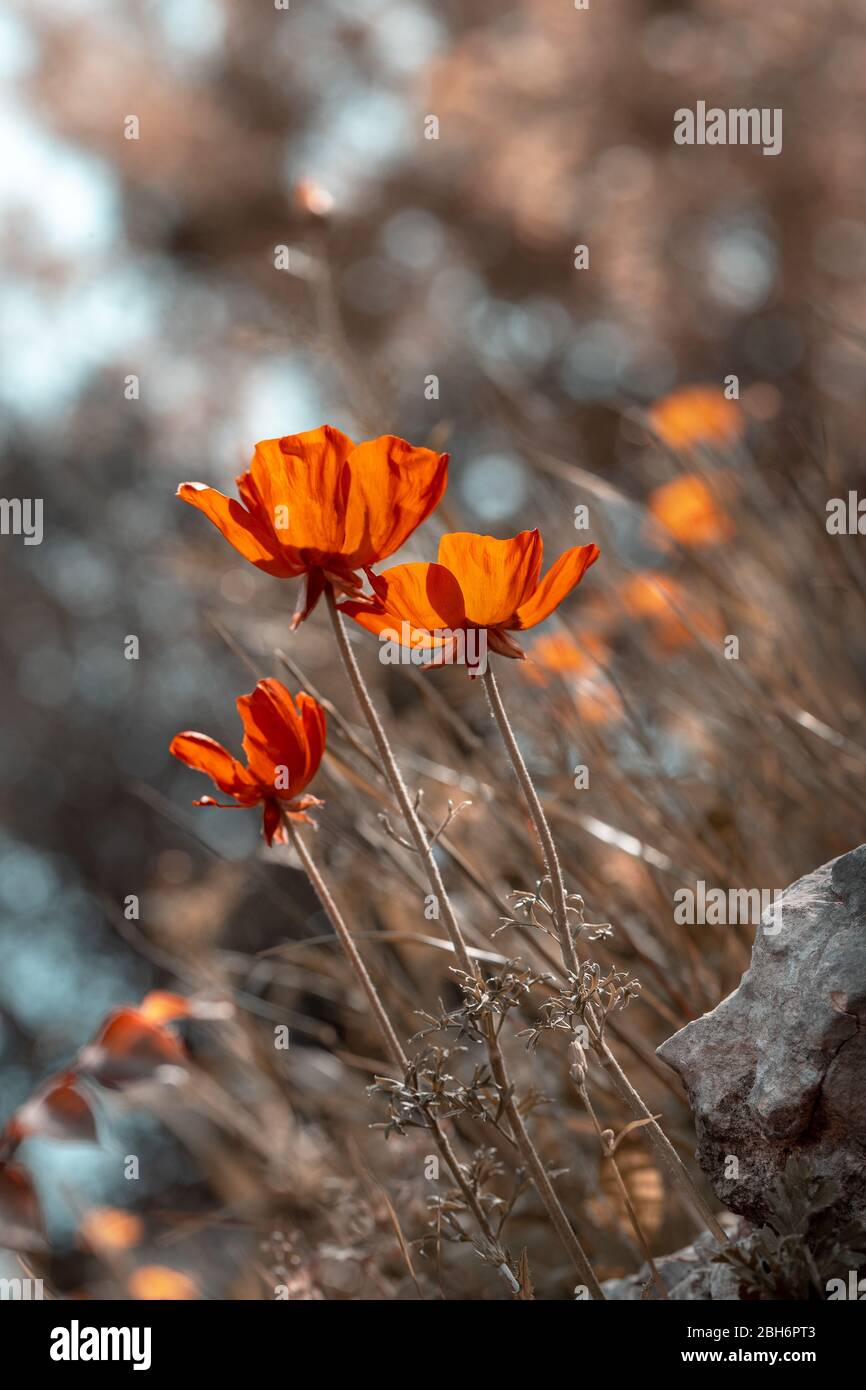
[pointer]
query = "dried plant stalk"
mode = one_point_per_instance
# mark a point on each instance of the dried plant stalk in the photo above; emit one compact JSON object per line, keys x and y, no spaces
{"x":659,"y":1140}
{"x":389,"y":1036}
{"x":498,"y":1066}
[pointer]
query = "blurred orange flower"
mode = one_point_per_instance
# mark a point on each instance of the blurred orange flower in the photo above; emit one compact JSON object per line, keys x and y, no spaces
{"x":158,"y":1282}
{"x":673,"y":616}
{"x":283,"y":744}
{"x":688,"y":511}
{"x":479,"y":582}
{"x":317,"y":505}
{"x":578,"y":666}
{"x":560,"y":654}
{"x":697,"y":415}
{"x":109,"y":1228}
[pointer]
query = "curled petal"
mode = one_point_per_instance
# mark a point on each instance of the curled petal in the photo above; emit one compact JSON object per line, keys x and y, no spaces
{"x":498,"y":640}
{"x":496,"y":577}
{"x":277,"y":733}
{"x":242,"y":529}
{"x":204,"y":754}
{"x":563,"y":576}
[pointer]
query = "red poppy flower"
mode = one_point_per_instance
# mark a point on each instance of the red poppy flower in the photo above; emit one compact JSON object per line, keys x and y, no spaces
{"x":478,"y":582}
{"x":283,"y":741}
{"x":317,"y":505}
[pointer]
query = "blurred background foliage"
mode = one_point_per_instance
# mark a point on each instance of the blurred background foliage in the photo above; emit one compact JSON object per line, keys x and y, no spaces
{"x":408,"y":258}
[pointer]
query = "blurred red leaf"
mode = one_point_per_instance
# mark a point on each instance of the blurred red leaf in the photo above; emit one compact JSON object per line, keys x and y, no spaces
{"x":56,"y":1111}
{"x":128,"y":1048}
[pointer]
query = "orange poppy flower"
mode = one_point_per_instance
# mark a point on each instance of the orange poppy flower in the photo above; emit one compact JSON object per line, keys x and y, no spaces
{"x":688,"y":510}
{"x":560,"y":655}
{"x":283,"y":743}
{"x":670,"y":611}
{"x":317,"y":505}
{"x":697,"y":415}
{"x":479,"y":582}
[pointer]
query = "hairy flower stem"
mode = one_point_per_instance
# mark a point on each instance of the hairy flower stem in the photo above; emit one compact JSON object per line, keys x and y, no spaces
{"x":398,"y":786}
{"x":498,"y":1066}
{"x":389,"y":1037}
{"x":539,"y":820}
{"x":662,"y":1145}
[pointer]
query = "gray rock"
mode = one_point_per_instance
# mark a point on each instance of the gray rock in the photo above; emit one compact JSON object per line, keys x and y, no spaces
{"x":690,"y":1274}
{"x":779,"y":1067}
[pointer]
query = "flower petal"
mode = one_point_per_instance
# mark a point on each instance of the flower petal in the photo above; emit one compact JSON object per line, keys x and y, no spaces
{"x":564,"y":574}
{"x":204,"y":754}
{"x":277,"y":734}
{"x":272,"y":824}
{"x":242,"y":529}
{"x":394,"y":487}
{"x":495,"y":576}
{"x":425,"y":597}
{"x":311,"y":591}
{"x":302,"y":482}
{"x":499,"y":641}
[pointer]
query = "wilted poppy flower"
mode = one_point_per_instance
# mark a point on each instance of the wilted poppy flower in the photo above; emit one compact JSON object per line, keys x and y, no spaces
{"x":697,"y":415}
{"x":283,"y":742}
{"x":317,"y":505}
{"x":478,"y":583}
{"x":689,"y":511}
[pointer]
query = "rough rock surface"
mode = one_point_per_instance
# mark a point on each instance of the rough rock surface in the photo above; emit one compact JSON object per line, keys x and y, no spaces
{"x":688,"y":1274}
{"x":780,"y":1065}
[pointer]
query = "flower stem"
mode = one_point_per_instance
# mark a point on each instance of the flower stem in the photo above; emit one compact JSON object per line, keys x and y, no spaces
{"x":353,"y":955}
{"x":401,"y":791}
{"x":389,"y":1037}
{"x":662,"y":1145}
{"x":498,"y":1066}
{"x":539,"y":820}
